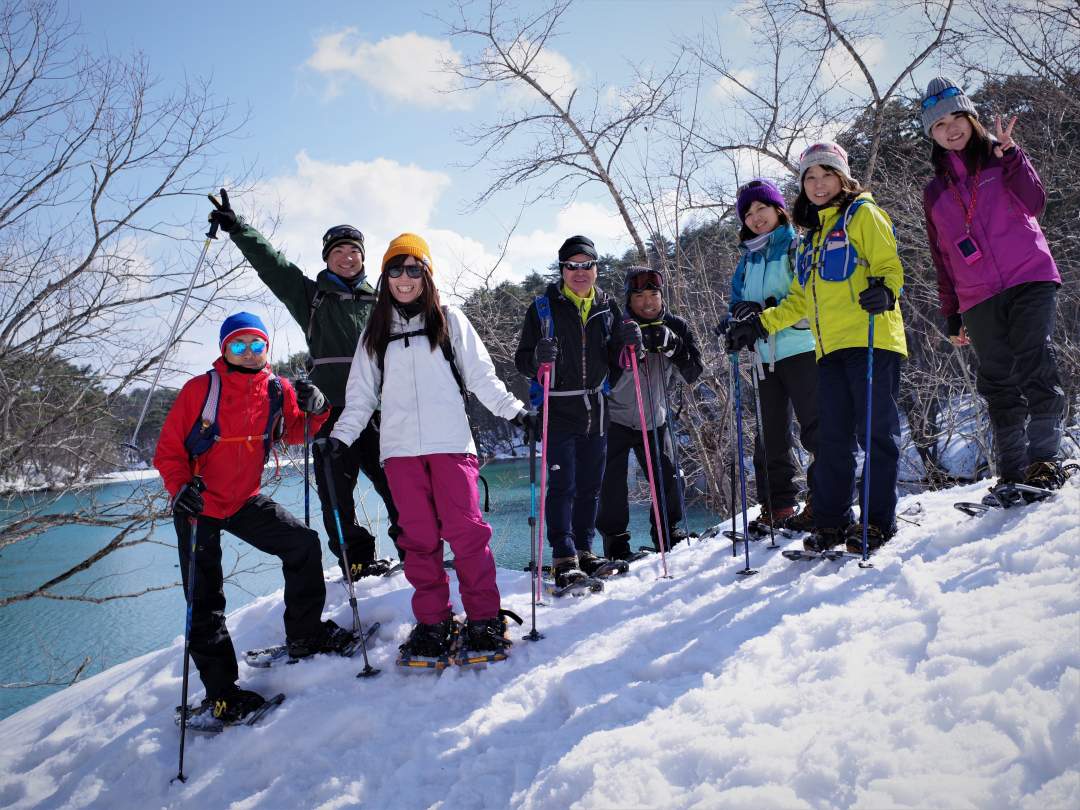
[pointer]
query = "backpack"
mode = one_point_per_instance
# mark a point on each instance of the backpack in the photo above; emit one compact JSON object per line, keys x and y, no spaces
{"x":447,"y":351}
{"x":838,"y":256}
{"x":206,"y":432}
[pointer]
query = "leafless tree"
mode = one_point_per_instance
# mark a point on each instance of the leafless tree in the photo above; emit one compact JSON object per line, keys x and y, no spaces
{"x":95,"y":159}
{"x":560,"y":140}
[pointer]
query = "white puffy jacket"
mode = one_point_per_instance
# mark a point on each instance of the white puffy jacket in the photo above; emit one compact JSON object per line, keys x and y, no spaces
{"x":422,"y":408}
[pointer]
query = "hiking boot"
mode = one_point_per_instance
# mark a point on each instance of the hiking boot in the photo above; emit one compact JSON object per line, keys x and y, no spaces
{"x":823,"y":539}
{"x":876,"y":537}
{"x":676,"y":536}
{"x":801,"y":521}
{"x":775,"y":519}
{"x":330,"y":639}
{"x":589,"y":562}
{"x":566,"y":571}
{"x":430,"y":640}
{"x":617,"y":546}
{"x":486,"y":635}
{"x":1045,"y":475}
{"x":232,"y":705}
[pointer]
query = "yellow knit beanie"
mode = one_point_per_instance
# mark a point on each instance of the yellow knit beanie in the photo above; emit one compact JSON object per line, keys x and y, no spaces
{"x":409,"y":244}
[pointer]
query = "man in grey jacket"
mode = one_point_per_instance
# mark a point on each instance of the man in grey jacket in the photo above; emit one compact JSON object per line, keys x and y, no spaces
{"x":668,"y":345}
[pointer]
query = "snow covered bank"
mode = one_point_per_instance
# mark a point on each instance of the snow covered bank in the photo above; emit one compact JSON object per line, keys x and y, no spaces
{"x":947,"y":676}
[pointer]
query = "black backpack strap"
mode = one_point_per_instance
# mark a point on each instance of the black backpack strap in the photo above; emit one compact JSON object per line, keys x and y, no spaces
{"x":275,"y":419}
{"x":316,"y":302}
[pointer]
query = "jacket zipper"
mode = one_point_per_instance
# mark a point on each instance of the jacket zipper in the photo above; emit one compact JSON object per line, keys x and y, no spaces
{"x":584,"y":347}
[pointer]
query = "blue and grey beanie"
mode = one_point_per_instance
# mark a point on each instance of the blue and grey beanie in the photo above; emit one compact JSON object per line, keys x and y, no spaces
{"x":943,"y":97}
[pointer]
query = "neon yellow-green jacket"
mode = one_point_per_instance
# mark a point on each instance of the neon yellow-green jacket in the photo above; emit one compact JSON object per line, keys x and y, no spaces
{"x":832,"y":307}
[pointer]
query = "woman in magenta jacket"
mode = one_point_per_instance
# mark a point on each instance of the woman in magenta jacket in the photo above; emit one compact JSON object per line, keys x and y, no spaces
{"x":997,"y":282}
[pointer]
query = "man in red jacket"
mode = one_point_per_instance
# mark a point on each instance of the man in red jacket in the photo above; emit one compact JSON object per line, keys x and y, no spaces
{"x":218,"y":435}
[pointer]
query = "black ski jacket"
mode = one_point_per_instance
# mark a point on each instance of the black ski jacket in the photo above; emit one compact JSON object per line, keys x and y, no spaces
{"x":587,"y":363}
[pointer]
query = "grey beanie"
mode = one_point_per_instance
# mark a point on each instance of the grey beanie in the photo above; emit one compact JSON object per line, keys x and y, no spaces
{"x":936,"y":106}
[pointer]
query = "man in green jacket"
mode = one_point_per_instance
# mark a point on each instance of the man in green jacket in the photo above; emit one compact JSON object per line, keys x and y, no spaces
{"x":333,"y":311}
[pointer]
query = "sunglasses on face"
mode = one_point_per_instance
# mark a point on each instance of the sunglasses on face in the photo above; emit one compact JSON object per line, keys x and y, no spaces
{"x":239,"y":347}
{"x":412,"y":270}
{"x":948,"y":92}
{"x":589,"y":265}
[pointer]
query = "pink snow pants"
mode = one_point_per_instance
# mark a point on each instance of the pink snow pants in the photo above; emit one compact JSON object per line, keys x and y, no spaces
{"x":436,"y":497}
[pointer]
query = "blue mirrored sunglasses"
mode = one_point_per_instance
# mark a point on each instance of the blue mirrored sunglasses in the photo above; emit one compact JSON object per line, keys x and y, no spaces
{"x":948,"y":92}
{"x":239,"y":347}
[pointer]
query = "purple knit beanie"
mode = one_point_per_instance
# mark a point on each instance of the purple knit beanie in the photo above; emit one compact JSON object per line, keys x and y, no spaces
{"x":758,"y":190}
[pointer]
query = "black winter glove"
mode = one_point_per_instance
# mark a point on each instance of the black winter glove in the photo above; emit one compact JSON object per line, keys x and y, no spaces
{"x":223,"y":216}
{"x":743,"y":334}
{"x":742,"y":310}
{"x":189,"y":500}
{"x":529,"y":422}
{"x":630,"y":334}
{"x":660,"y":338}
{"x":546,"y":350}
{"x":877,"y":298}
{"x":722,"y":326}
{"x":308,"y":397}
{"x":953,"y":325}
{"x":330,"y":447}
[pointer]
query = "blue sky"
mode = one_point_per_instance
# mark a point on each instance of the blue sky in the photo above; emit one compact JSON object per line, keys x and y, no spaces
{"x":345,"y":126}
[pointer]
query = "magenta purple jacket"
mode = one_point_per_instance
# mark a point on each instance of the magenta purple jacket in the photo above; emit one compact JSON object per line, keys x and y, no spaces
{"x":1004,"y":227}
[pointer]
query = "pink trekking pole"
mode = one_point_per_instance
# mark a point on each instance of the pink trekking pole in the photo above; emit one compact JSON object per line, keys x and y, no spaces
{"x":545,"y":376}
{"x":633,"y":364}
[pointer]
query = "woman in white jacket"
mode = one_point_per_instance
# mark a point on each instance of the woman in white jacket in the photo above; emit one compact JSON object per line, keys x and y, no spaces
{"x":416,"y":358}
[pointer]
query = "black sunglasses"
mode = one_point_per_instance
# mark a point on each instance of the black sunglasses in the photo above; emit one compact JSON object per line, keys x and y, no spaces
{"x":412,"y":270}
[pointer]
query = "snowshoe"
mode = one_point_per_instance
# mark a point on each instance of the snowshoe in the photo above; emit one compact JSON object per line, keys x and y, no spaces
{"x":430,"y":646}
{"x":336,"y":641}
{"x":1048,"y":474}
{"x":232,"y":708}
{"x":485,"y":640}
{"x":600,"y":568}
{"x":824,"y":539}
{"x":774,"y":520}
{"x":876,"y":537}
{"x":1004,"y":495}
{"x":566,"y":579}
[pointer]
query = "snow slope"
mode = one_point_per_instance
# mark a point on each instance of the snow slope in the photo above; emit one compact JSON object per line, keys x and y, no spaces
{"x":947,"y":676}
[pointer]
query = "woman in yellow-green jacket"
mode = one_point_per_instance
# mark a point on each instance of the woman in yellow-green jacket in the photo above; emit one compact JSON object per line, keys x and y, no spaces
{"x":847,"y":271}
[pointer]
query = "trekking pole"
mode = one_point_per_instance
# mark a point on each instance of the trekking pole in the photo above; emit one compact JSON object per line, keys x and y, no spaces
{"x":633,"y":364}
{"x":665,"y":532}
{"x":873,"y":281}
{"x":328,"y":471}
{"x":210,"y":235}
{"x":545,"y":372}
{"x":734,"y":359}
{"x":193,"y":524}
{"x":533,"y":635}
{"x":747,"y":571}
{"x":673,"y":435}
{"x":757,"y":372}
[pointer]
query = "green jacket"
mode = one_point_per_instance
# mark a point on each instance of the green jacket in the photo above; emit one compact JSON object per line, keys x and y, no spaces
{"x":832,"y":307}
{"x":331,"y":315}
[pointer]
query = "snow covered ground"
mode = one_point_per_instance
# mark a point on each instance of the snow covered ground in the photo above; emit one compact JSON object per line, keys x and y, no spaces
{"x":947,"y":676}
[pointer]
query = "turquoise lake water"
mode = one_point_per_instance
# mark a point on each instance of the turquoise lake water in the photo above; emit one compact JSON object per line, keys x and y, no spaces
{"x":44,"y":638}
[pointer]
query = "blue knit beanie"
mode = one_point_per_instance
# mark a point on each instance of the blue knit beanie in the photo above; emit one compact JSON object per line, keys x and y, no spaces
{"x":241,"y":323}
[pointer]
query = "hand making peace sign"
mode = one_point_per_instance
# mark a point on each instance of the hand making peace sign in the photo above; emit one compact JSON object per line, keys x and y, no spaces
{"x":1004,"y":136}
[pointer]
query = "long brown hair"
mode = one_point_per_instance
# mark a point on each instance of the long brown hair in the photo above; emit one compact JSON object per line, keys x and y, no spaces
{"x":976,"y":151}
{"x":805,"y":213}
{"x":377,"y":335}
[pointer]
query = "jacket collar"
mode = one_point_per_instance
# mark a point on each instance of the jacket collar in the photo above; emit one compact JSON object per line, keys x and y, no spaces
{"x":333,"y":283}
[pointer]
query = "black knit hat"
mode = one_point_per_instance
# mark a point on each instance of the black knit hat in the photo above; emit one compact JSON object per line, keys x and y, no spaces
{"x":575,"y":245}
{"x":340,"y":234}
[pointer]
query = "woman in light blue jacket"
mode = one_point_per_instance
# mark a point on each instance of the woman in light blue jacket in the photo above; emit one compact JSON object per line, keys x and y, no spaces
{"x":762,"y":279}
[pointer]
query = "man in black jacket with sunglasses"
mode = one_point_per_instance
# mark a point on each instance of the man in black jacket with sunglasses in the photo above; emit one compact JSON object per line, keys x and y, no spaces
{"x":333,"y":310}
{"x":577,"y":330}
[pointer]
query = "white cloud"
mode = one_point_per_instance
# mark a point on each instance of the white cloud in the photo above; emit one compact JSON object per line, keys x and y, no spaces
{"x":839,"y":66}
{"x":537,"y":249}
{"x":552,"y":71}
{"x":408,"y":68}
{"x":726,"y":88}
